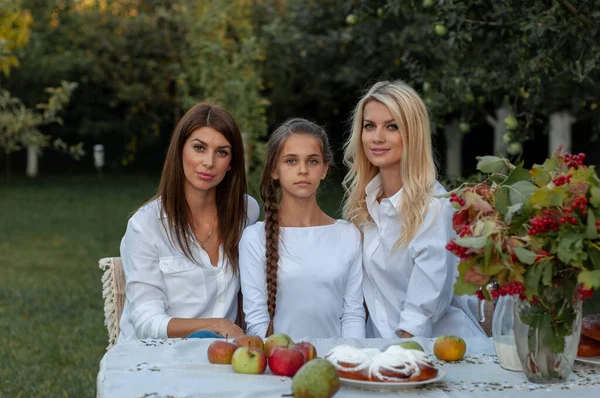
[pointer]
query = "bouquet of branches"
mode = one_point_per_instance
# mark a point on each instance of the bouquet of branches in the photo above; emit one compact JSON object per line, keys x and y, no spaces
{"x":532,"y":233}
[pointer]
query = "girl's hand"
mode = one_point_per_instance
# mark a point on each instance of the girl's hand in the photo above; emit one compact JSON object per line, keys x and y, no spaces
{"x":228,"y":329}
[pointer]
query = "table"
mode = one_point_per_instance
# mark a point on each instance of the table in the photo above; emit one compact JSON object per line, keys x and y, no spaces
{"x":179,"y":368}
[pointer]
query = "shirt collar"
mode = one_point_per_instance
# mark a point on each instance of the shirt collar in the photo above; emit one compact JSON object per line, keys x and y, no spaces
{"x":374,"y":189}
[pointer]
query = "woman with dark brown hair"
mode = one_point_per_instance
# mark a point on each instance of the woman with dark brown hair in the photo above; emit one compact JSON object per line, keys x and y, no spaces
{"x":180,"y":251}
{"x":301,"y":270}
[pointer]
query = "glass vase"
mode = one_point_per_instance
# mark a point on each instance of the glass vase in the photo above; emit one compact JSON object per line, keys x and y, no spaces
{"x":541,"y":363}
{"x":503,"y":334}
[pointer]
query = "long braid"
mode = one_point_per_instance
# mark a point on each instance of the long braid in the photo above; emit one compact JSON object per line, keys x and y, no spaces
{"x":269,"y":195}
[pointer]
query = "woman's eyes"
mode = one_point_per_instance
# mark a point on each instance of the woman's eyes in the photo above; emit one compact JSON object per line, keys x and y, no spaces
{"x":291,"y":161}
{"x":393,"y":127}
{"x":370,"y":126}
{"x":201,"y":148}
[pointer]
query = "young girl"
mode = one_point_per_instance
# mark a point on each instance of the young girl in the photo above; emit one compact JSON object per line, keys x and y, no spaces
{"x":180,"y":251}
{"x":391,"y":188}
{"x":301,"y":270}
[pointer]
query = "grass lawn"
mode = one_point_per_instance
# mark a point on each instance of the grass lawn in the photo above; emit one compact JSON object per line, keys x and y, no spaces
{"x":52,"y":233}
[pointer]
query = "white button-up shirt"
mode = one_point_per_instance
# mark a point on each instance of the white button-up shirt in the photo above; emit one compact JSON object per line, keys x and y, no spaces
{"x":319,"y":281}
{"x":162,"y":283}
{"x":411,"y":288}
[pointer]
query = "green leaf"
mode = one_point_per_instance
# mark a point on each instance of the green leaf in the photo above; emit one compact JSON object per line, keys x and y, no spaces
{"x":501,"y":200}
{"x":590,"y":231}
{"x":595,"y":196}
{"x":548,"y":267}
{"x":525,"y":256}
{"x":461,"y":287}
{"x":520,"y":191}
{"x":472,"y":242}
{"x":594,"y":253}
{"x":590,"y":279}
{"x":511,"y":211}
{"x":518,"y":174}
{"x":545,"y":197}
{"x":539,"y":176}
{"x":487,"y":254}
{"x":532,"y":279}
{"x":570,"y":248}
{"x":490,"y":164}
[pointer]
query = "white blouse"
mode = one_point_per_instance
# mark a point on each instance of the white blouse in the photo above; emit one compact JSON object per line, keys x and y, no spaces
{"x":319,"y":292}
{"x":411,"y":288}
{"x":162,"y":283}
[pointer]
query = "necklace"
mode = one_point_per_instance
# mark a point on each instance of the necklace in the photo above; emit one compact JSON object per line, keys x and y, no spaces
{"x":202,"y":242}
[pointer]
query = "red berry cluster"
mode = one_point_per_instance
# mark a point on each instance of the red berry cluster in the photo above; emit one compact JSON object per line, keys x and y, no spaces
{"x":456,"y":249}
{"x":479,"y":294}
{"x":566,"y":219}
{"x":542,"y":224}
{"x":464,"y":230}
{"x":523,"y":297}
{"x":580,"y":203}
{"x":455,"y":198}
{"x":562,"y":180}
{"x":543,"y":254}
{"x":585,"y":293}
{"x":573,"y":161}
{"x":510,"y":289}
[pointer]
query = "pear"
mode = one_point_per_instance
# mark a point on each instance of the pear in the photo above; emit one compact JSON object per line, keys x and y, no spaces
{"x":316,"y":379}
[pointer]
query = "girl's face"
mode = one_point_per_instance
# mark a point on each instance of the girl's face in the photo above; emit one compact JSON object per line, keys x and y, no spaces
{"x":300,"y":168}
{"x":206,"y":159}
{"x":381,"y":137}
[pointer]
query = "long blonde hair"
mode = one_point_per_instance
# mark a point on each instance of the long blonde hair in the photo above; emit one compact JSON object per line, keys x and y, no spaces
{"x":417,"y":166}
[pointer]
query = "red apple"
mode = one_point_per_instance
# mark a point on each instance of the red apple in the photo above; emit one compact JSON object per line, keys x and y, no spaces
{"x":309,"y":350}
{"x":249,"y":360}
{"x":275,"y":340}
{"x":249,"y":341}
{"x":221,"y":351}
{"x":286,"y":360}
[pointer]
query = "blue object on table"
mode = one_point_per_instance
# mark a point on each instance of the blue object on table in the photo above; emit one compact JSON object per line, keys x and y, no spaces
{"x":204,"y":334}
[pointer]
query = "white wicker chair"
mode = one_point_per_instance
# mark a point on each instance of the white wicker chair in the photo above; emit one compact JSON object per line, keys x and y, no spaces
{"x":113,"y":293}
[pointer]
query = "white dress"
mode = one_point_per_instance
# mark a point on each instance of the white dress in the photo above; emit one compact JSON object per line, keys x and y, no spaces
{"x":319,"y":281}
{"x":162,"y":283}
{"x":411,"y":288}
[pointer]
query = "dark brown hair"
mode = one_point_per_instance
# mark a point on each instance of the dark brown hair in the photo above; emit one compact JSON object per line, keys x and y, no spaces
{"x":269,"y":189}
{"x":231,"y":203}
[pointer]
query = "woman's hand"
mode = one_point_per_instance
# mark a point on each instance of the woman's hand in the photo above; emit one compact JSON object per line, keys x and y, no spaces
{"x":228,"y":329}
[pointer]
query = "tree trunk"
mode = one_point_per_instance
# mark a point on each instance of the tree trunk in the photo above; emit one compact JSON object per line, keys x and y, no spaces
{"x":32,"y":160}
{"x":499,"y":130}
{"x":454,"y":141}
{"x":560,"y":131}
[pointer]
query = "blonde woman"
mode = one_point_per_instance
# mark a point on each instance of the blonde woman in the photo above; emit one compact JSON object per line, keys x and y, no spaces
{"x":391,"y":193}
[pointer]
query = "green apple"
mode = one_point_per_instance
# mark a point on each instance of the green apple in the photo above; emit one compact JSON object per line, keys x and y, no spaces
{"x":506,"y":138}
{"x":277,"y":339}
{"x":316,"y":378}
{"x":514,"y":148}
{"x":411,"y":345}
{"x":351,"y":19}
{"x":249,"y":360}
{"x":440,"y":29}
{"x":510,"y":122}
{"x":464,"y":127}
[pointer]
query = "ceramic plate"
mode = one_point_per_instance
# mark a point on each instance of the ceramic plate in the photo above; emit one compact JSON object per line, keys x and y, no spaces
{"x":390,"y":386}
{"x":589,"y":360}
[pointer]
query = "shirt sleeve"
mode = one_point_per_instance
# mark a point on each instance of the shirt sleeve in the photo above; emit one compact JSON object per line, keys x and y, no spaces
{"x":252,"y":210}
{"x":430,"y":288}
{"x":254,"y":283}
{"x":145,"y":289}
{"x":353,"y":316}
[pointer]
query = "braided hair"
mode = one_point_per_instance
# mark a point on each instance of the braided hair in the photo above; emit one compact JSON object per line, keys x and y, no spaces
{"x":269,"y":192}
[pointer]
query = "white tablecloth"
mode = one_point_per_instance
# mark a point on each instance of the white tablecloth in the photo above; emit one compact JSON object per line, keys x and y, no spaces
{"x":179,"y":368}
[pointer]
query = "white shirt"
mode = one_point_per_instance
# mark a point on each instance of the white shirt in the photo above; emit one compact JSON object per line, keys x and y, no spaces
{"x":411,"y":288}
{"x":162,"y":283}
{"x":319,"y":281}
